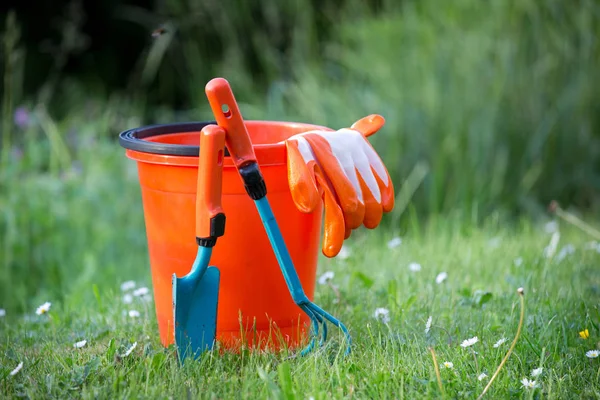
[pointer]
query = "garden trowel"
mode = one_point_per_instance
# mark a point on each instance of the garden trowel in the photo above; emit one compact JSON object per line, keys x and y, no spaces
{"x":196,"y":295}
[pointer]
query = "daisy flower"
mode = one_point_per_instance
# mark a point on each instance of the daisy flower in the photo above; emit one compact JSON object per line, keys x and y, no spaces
{"x":428,"y":324}
{"x":441,"y":277}
{"x":565,"y":251}
{"x":134,"y":313}
{"x":469,"y":342}
{"x":494,"y":242}
{"x":344,"y":253}
{"x":482,"y":376}
{"x":537,"y":372}
{"x":17,"y":369}
{"x":141,"y":291}
{"x":518,"y":261}
{"x":500,"y":342}
{"x":2,"y":312}
{"x":529,"y":384}
{"x":551,"y":227}
{"x":326,"y":277}
{"x":395,"y":242}
{"x":127,"y":285}
{"x":414,"y":267}
{"x":129,"y":350}
{"x":382,"y":314}
{"x":80,"y":344}
{"x":448,"y":364}
{"x":592,"y":354}
{"x":44,"y":308}
{"x":551,"y":248}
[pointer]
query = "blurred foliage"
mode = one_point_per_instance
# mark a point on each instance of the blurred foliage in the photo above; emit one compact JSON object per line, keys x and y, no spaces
{"x":491,"y":108}
{"x":497,"y":101}
{"x":109,"y":46}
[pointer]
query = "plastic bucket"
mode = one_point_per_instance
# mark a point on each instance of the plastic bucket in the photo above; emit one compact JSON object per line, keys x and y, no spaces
{"x":255,"y":308}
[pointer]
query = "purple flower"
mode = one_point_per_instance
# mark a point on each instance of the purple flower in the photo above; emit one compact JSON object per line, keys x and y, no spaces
{"x":22,"y":118}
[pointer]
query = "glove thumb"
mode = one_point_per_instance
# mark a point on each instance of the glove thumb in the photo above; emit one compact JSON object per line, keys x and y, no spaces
{"x":368,"y":125}
{"x":303,"y":187}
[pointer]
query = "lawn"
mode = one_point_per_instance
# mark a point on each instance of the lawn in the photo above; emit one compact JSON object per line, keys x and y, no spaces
{"x":491,"y":113}
{"x":466,"y":280}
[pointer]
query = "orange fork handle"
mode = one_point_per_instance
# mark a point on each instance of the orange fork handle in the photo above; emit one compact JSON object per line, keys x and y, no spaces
{"x":228,"y":116}
{"x":210,"y":217}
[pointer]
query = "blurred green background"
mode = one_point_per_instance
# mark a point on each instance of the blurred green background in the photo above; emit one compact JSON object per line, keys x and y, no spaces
{"x":492,"y":110}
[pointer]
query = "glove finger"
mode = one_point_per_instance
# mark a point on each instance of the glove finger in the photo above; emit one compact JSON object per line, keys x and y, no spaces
{"x":369,"y":125}
{"x":332,"y":167}
{"x":373,"y":209}
{"x":347,"y":233}
{"x":303,"y":186}
{"x":382,"y":176}
{"x":387,"y":193}
{"x":334,"y":232}
{"x":355,"y":219}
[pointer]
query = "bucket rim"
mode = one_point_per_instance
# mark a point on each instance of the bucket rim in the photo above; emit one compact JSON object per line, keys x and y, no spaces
{"x":134,"y":138}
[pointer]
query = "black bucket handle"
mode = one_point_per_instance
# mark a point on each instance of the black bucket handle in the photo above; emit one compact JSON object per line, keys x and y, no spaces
{"x":133,"y":139}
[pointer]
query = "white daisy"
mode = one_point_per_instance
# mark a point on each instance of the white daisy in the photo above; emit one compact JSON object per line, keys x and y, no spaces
{"x":529,"y":384}
{"x":17,"y":369}
{"x":141,"y":291}
{"x":551,"y":248}
{"x":469,"y":342}
{"x":537,"y":372}
{"x":134,"y":313}
{"x":441,"y":277}
{"x":127,"y":285}
{"x":551,"y":227}
{"x":565,"y":251}
{"x":129,"y":350}
{"x":482,"y":376}
{"x":44,"y":308}
{"x":395,"y":242}
{"x":414,"y":267}
{"x":146,"y":298}
{"x":326,"y":277}
{"x":494,"y":242}
{"x":518,"y":261}
{"x":344,"y":253}
{"x":428,"y":324}
{"x":592,"y":354}
{"x":80,"y":344}
{"x":448,"y":364}
{"x":383,"y":314}
{"x":2,"y":312}
{"x":500,"y":342}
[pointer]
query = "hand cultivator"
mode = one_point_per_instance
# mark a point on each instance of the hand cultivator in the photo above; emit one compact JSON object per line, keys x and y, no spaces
{"x":238,"y":142}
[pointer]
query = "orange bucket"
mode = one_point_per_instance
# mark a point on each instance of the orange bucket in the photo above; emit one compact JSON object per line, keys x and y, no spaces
{"x":255,"y":307}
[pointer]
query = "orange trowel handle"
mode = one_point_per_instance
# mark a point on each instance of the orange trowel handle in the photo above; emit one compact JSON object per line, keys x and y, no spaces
{"x":210,"y":217}
{"x":228,"y":116}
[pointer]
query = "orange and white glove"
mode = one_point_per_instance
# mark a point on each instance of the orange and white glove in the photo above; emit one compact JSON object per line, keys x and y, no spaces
{"x":342,"y":169}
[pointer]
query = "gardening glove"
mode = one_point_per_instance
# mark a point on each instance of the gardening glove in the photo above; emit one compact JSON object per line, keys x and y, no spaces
{"x":342,"y":169}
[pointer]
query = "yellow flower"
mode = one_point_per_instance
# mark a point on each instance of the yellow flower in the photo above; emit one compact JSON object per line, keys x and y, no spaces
{"x":584,"y":334}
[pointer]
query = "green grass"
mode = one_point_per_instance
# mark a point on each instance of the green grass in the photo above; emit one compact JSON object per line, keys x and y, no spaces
{"x":478,"y":298}
{"x":491,"y":113}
